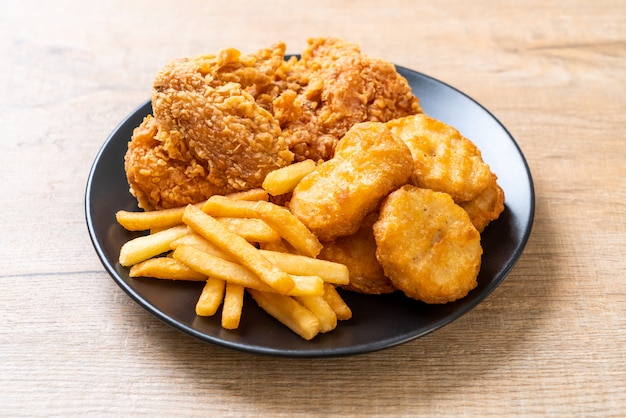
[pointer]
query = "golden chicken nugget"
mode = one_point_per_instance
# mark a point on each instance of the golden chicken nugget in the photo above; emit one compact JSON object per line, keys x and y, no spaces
{"x":427,"y":245}
{"x":486,"y":206}
{"x":444,"y":160}
{"x":368,"y":164}
{"x":358,"y":253}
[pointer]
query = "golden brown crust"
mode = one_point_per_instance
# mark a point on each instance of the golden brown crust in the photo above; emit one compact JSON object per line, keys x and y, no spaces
{"x":332,"y":87}
{"x":427,"y":245}
{"x":156,"y":179}
{"x":445,"y":160}
{"x":209,"y":128}
{"x":368,"y":164}
{"x":486,"y":206}
{"x":358,"y":253}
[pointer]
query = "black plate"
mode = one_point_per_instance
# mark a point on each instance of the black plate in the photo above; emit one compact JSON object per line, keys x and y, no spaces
{"x":378,"y":321}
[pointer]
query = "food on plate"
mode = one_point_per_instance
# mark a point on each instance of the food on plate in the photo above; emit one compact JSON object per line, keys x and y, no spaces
{"x":289,"y":312}
{"x":427,"y":245}
{"x":284,"y":180}
{"x":208,"y":131}
{"x":281,"y":219}
{"x":444,"y":160}
{"x":336,"y":302}
{"x":368,"y":164}
{"x":329,"y":89}
{"x":358,"y":253}
{"x":290,"y":178}
{"x":222,"y":122}
{"x":486,"y":206}
{"x":148,"y":246}
{"x":202,"y":248}
{"x":237,"y":247}
{"x":165,"y":268}
{"x":211,"y":297}
{"x":233,"y":306}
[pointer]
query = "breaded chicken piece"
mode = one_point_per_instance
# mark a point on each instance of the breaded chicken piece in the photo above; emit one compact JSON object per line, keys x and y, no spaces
{"x":207,"y":116}
{"x":445,"y":160}
{"x":332,"y":87}
{"x":158,"y":180}
{"x":486,"y":206}
{"x":368,"y":164}
{"x":427,"y":245}
{"x":358,"y":253}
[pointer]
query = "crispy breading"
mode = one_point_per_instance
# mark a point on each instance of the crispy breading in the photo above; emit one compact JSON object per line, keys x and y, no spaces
{"x":486,"y":206}
{"x":158,"y":180}
{"x":330,"y":88}
{"x":358,"y":253}
{"x":368,"y":164}
{"x":207,"y":116}
{"x":445,"y":160}
{"x":427,"y":245}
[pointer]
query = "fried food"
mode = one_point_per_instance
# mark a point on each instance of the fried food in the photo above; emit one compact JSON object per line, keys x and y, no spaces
{"x":368,"y":164}
{"x":210,"y":133}
{"x":332,"y":87}
{"x":445,"y":161}
{"x":358,"y":253}
{"x":486,"y":206}
{"x":427,"y":245}
{"x":222,"y":122}
{"x":158,"y":180}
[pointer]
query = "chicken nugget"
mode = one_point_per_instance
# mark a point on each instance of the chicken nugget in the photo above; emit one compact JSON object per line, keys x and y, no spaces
{"x":427,"y":245}
{"x":486,"y":206}
{"x":368,"y":164}
{"x":358,"y":253}
{"x":444,"y":160}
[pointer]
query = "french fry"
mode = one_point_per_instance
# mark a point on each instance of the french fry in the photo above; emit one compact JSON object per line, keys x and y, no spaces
{"x":278,"y":246}
{"x":154,"y":220}
{"x":329,"y":271}
{"x":250,"y":195}
{"x":279,"y":218}
{"x":336,"y":302}
{"x":211,"y":297}
{"x":158,"y":220}
{"x":148,"y":246}
{"x":233,"y":306}
{"x":237,"y":247}
{"x":223,"y":207}
{"x":284,"y":180}
{"x":213,"y":266}
{"x":306,"y":285}
{"x":290,"y":228}
{"x":165,"y":268}
{"x":289,"y":312}
{"x":251,"y":229}
{"x":321,"y":309}
{"x":199,"y":243}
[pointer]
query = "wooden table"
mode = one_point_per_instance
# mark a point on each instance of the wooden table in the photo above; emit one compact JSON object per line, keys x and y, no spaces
{"x":550,"y":341}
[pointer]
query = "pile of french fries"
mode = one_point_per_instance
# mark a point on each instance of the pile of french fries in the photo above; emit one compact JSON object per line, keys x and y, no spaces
{"x":242,"y":242}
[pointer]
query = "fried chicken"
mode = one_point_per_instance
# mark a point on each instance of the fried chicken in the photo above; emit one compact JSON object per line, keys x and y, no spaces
{"x":445,"y":160}
{"x":208,"y":129}
{"x":332,"y":87}
{"x":226,"y":120}
{"x":368,"y":164}
{"x":358,"y":253}
{"x":427,"y":245}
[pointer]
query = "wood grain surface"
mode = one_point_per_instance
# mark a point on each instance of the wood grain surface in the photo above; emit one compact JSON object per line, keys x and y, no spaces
{"x":550,"y":341}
